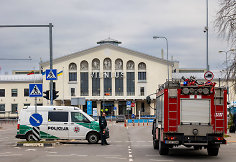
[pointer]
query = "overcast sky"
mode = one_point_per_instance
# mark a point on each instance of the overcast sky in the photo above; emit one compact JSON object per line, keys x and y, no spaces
{"x":79,"y":24}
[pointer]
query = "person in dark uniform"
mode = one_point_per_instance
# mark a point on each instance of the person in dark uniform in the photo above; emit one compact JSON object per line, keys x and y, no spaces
{"x":103,"y":125}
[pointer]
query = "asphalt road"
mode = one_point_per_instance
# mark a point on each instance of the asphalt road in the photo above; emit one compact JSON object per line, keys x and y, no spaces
{"x":126,"y":144}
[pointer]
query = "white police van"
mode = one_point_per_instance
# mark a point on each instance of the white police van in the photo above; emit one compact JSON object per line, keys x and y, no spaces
{"x":59,"y":122}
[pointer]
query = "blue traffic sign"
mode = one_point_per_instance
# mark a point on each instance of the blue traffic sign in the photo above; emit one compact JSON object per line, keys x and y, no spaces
{"x":132,"y":116}
{"x":115,"y":108}
{"x":51,"y":74}
{"x":89,"y":108}
{"x":35,"y":90}
{"x":36,"y":119}
{"x":128,"y":103}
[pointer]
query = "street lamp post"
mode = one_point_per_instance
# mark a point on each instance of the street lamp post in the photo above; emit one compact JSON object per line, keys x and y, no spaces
{"x":156,"y":37}
{"x":226,"y":61}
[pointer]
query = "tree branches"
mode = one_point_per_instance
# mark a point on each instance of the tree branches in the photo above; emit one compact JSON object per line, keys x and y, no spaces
{"x":226,"y":20}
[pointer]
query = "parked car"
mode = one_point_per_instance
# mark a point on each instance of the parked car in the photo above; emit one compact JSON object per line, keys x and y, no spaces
{"x":120,"y":118}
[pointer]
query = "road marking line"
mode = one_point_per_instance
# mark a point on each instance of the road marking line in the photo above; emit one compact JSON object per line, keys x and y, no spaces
{"x":30,"y":150}
{"x":130,"y":159}
{"x":108,"y":155}
{"x":68,"y":155}
{"x":130,"y":156}
{"x":11,"y":155}
{"x":160,"y":160}
{"x":52,"y":152}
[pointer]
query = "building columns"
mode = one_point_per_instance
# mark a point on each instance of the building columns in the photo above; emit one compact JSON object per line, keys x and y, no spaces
{"x":116,"y":104}
{"x":99,"y":107}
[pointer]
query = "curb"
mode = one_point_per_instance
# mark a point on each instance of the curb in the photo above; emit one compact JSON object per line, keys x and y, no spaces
{"x":37,"y":144}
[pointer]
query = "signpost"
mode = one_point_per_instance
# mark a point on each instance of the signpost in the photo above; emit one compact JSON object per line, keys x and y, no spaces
{"x":208,"y":75}
{"x":36,"y":90}
{"x":51,"y":74}
{"x":36,"y":119}
{"x":89,"y":108}
{"x":128,"y":107}
{"x":132,"y":116}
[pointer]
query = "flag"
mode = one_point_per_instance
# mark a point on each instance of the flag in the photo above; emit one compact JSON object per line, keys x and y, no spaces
{"x":30,"y":73}
{"x":60,"y":73}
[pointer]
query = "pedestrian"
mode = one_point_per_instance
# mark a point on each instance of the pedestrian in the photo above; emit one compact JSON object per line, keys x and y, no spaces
{"x":103,"y":125}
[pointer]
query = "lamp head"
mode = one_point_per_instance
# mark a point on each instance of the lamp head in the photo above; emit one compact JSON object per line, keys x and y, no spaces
{"x":155,"y":37}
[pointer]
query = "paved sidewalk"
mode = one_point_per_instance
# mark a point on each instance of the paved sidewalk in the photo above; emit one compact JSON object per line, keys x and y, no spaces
{"x":232,"y":137}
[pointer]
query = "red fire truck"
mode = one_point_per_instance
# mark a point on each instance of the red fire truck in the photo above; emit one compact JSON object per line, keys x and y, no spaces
{"x":190,"y":114}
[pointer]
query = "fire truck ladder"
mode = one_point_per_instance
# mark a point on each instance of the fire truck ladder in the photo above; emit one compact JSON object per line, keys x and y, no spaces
{"x":175,"y":105}
{"x":219,"y":101}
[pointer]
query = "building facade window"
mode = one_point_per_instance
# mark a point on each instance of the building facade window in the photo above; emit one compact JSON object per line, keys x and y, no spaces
{"x":14,"y":108}
{"x":26,"y":92}
{"x":96,"y":64}
{"x":107,"y":83}
{"x":107,"y":64}
{"x":14,"y":92}
{"x":130,"y":84}
{"x":2,"y":108}
{"x":72,"y":72}
{"x":95,"y":84}
{"x":72,"y":91}
{"x":142,"y":107}
{"x":142,"y":76}
{"x":141,"y":91}
{"x":84,"y":83}
{"x":2,"y":92}
{"x":130,"y":65}
{"x":119,"y":64}
{"x":84,"y":66}
{"x":141,"y":71}
{"x":119,"y":84}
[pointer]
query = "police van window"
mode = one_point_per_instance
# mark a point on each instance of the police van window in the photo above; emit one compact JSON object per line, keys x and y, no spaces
{"x":78,"y":117}
{"x":58,"y":116}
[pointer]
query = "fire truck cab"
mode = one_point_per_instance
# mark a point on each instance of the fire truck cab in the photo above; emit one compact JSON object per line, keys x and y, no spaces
{"x":193,"y":115}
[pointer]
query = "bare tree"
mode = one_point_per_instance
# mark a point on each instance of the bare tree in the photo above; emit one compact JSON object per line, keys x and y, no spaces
{"x":225,"y":22}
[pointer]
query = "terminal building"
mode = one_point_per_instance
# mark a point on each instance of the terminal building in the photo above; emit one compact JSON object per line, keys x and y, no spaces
{"x":108,"y":75}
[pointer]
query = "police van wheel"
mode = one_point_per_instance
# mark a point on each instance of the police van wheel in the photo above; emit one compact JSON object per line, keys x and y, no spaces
{"x":29,"y":137}
{"x":93,"y":138}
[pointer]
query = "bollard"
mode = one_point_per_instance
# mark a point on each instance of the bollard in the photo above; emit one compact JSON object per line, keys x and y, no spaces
{"x":147,"y":122}
{"x":138,"y":123}
{"x":133,"y":124}
{"x":143,"y":122}
{"x":125,"y":123}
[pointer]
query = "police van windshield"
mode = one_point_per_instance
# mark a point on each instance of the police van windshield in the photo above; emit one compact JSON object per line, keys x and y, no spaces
{"x":87,"y":116}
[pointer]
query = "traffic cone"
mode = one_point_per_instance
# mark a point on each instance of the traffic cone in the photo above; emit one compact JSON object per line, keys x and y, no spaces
{"x":147,"y":123}
{"x":125,"y":123}
{"x":133,"y":123}
{"x":138,"y":123}
{"x":143,"y":122}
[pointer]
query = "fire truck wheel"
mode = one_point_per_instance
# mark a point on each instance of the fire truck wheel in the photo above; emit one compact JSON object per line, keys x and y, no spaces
{"x":155,"y":144}
{"x":163,"y":148}
{"x":213,"y":150}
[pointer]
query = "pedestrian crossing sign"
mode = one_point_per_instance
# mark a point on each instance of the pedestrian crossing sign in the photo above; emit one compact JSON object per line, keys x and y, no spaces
{"x":35,"y":90}
{"x":51,"y":74}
